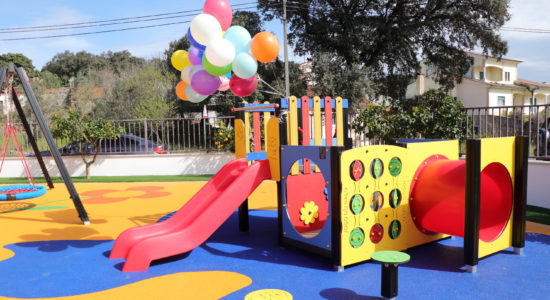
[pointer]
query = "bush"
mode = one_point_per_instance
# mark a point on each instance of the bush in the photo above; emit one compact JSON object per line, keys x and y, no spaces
{"x":433,"y":115}
{"x":224,"y":139}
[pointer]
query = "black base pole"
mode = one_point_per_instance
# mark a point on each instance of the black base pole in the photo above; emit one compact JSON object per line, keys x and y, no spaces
{"x":389,"y":280}
{"x":243,"y":217}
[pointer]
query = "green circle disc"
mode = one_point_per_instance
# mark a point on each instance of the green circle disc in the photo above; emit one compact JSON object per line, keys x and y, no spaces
{"x":395,"y":166}
{"x":357,"y":204}
{"x":356,"y":237}
{"x":376,"y":168}
{"x":395,"y":229}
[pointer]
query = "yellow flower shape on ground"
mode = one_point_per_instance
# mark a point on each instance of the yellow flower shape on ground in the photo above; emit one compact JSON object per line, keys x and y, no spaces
{"x":309,"y":212}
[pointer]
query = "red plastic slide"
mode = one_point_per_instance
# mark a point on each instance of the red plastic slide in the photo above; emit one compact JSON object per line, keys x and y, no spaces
{"x":193,"y":223}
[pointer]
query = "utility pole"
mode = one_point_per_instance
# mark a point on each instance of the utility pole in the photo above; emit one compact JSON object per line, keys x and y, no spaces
{"x":287,"y":86}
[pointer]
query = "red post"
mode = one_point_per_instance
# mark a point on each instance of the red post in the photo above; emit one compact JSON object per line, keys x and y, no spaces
{"x":328,"y":121}
{"x":257,"y":130}
{"x":305,"y":131}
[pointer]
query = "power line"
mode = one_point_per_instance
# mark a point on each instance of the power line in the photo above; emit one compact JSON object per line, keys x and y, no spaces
{"x":113,"y":20}
{"x":101,"y":31}
{"x":526,"y":30}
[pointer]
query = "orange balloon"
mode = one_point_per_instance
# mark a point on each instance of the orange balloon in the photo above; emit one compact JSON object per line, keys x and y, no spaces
{"x":180,"y":90}
{"x":264,"y":47}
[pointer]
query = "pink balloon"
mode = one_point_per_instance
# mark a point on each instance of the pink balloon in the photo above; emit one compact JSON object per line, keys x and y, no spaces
{"x":221,"y":10}
{"x":243,"y":87}
{"x":224,"y":86}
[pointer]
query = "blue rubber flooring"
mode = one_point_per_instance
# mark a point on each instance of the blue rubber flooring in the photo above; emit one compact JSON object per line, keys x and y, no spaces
{"x":434,"y":272}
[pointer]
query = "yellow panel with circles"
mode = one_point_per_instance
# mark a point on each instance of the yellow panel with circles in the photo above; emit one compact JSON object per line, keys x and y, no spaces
{"x":374,"y":201}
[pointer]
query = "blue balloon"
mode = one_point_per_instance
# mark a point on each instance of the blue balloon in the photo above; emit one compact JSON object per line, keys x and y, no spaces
{"x":193,"y":42}
{"x":239,"y":37}
{"x":244,"y":65}
{"x":228,"y":75}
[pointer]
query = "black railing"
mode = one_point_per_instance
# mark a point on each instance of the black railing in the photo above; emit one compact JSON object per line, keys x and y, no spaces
{"x":532,"y":121}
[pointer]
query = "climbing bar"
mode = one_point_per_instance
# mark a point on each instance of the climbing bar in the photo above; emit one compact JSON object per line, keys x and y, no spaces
{"x":257,"y":107}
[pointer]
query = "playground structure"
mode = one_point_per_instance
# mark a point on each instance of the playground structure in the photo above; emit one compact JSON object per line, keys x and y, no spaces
{"x":19,"y":192}
{"x":346,"y":204}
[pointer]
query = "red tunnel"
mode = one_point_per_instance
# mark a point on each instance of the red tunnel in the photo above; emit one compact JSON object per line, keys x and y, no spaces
{"x":438,"y":197}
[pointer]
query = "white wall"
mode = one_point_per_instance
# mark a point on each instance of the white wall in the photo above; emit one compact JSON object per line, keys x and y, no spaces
{"x":537,"y":185}
{"x":125,"y":165}
{"x":472,"y":93}
{"x":494,"y":93}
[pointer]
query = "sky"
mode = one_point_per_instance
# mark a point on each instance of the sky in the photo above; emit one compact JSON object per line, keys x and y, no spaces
{"x":531,"y":48}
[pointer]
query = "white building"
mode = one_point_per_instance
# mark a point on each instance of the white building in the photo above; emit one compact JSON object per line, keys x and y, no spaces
{"x":490,"y":82}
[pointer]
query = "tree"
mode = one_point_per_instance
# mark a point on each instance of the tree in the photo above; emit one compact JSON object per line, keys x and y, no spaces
{"x":137,"y":93}
{"x":19,"y":60}
{"x":391,"y":37}
{"x":331,"y":76}
{"x":68,"y":65}
{"x":433,"y":115}
{"x":85,"y":133}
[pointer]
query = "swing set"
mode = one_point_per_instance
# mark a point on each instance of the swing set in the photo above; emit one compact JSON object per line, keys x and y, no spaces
{"x":31,"y":190}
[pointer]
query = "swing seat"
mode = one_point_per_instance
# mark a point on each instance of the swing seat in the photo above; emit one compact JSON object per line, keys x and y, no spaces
{"x":21,"y":191}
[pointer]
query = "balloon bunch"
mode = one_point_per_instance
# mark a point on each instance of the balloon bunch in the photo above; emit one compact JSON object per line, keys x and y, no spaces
{"x":221,"y":56}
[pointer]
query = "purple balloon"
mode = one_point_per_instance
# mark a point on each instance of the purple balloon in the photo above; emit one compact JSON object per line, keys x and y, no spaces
{"x":195,"y":55}
{"x":205,"y":84}
{"x":193,"y":42}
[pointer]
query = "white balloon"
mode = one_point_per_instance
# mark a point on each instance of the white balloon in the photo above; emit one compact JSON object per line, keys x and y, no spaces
{"x":220,"y":52}
{"x":205,"y":28}
{"x":188,"y":72}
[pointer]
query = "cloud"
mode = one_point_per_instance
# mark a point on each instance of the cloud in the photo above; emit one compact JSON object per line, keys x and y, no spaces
{"x":528,"y":14}
{"x":42,"y":50}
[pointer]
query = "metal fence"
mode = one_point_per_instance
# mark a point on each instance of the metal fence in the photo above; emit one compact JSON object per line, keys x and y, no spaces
{"x":177,"y":135}
{"x":183,"y":135}
{"x":528,"y":120}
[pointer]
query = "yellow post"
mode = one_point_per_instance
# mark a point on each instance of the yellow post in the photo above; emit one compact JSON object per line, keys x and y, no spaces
{"x":318,"y":134}
{"x":272,"y":140}
{"x":293,"y":128}
{"x":339,"y":122}
{"x":267,"y":116}
{"x":240,"y":150}
{"x":293,"y":121}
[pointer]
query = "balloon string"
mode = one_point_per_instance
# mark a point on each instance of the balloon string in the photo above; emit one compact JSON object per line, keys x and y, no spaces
{"x":279,"y":93}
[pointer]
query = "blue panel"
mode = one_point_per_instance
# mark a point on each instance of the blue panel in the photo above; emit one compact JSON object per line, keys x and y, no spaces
{"x":324,"y":142}
{"x":289,"y":155}
{"x":284,"y":103}
{"x":256,"y":156}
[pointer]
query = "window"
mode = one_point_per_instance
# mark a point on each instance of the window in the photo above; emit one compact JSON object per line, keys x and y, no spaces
{"x":481,"y":76}
{"x":501,"y":100}
{"x":507,"y":76}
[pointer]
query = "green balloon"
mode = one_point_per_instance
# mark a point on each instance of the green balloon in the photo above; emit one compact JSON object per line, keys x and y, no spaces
{"x":215,"y":70}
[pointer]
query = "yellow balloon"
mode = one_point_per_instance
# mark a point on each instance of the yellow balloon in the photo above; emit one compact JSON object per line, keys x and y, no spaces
{"x":180,"y":59}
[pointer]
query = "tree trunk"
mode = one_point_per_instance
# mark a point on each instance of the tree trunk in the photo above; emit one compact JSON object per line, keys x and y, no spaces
{"x":88,"y":165}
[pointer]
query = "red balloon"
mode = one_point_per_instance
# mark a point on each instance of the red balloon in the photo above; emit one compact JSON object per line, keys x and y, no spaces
{"x":243,"y":87}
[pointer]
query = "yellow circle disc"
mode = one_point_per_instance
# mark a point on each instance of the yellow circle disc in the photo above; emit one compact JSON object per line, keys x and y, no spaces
{"x":269,"y":294}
